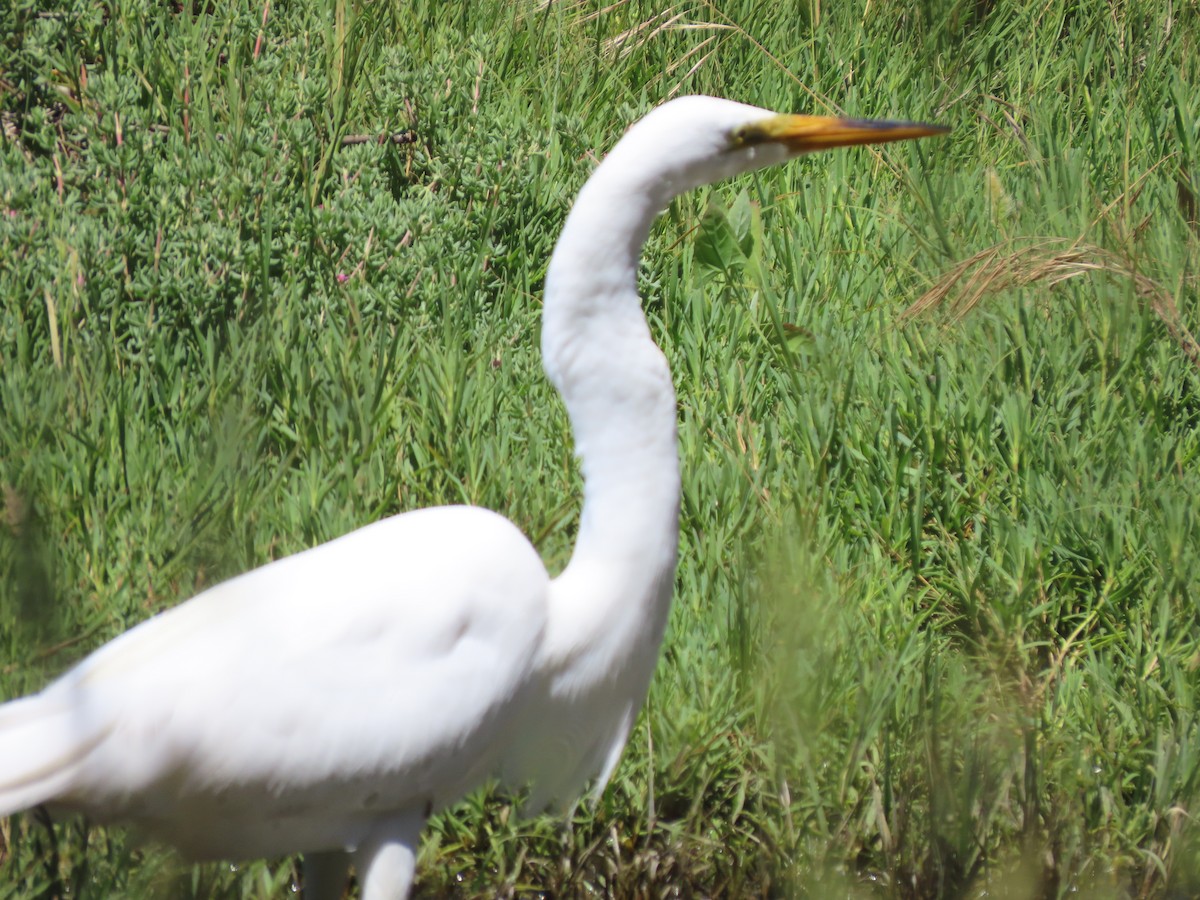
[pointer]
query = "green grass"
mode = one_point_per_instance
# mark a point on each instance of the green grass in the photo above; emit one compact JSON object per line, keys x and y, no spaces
{"x":935,"y":630}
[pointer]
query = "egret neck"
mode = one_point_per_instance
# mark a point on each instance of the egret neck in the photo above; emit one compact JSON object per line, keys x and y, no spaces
{"x":617,"y":389}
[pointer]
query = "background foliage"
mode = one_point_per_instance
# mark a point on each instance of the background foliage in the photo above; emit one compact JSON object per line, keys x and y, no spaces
{"x":935,"y":630}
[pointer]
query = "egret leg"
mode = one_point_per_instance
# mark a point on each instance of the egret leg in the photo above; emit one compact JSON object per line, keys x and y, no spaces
{"x":387,"y":861}
{"x":325,"y":875}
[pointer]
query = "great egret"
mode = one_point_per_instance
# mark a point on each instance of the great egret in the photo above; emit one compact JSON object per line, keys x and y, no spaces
{"x":328,"y":702}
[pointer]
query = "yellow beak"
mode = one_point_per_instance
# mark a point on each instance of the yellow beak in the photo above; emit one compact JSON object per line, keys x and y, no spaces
{"x":808,"y":133}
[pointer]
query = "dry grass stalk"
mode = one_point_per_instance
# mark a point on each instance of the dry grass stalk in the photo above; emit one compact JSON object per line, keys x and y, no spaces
{"x":1052,"y":260}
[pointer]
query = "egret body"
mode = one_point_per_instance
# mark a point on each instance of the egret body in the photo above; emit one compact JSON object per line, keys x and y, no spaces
{"x":328,"y":702}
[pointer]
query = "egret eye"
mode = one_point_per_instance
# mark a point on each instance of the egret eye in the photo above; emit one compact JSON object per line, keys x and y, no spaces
{"x":746,"y":136}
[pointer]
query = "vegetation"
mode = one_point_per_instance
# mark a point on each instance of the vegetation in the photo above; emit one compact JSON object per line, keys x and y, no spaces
{"x":935,"y":630}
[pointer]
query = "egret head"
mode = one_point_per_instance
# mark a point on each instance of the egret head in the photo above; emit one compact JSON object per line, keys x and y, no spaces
{"x":698,"y":140}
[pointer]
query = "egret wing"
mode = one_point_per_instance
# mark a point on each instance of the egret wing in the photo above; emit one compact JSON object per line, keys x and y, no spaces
{"x":378,"y":671}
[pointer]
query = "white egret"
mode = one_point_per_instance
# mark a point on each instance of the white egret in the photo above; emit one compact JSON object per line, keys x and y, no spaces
{"x":328,"y":702}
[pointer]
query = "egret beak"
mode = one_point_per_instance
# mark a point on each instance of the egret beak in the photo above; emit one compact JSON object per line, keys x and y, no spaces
{"x":805,"y":134}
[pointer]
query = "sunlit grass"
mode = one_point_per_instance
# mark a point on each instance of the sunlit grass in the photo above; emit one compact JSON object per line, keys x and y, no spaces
{"x":935,"y":628}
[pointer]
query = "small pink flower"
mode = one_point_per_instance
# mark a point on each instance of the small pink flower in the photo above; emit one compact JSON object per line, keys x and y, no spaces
{"x":342,"y":277}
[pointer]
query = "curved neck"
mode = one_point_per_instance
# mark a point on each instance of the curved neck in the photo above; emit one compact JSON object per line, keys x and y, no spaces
{"x":616,"y":385}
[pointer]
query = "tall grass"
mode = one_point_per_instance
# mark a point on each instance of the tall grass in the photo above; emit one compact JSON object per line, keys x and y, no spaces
{"x":935,"y":630}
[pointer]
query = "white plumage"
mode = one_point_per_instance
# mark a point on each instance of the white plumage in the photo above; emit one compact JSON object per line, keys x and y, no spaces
{"x":326,"y":703}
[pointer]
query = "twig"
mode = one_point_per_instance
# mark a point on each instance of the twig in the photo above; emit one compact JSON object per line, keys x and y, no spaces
{"x":397,"y":137}
{"x":47,"y":652}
